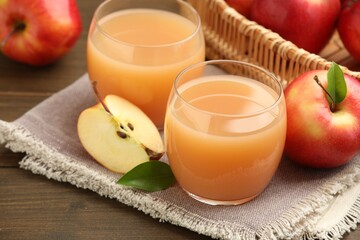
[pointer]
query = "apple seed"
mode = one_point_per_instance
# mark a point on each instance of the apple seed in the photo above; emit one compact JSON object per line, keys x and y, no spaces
{"x":121,"y":134}
{"x":131,"y":127}
{"x":153,"y":155}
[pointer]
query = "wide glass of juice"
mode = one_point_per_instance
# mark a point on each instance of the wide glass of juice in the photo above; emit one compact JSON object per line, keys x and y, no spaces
{"x":225,"y":130}
{"x":137,"y":48}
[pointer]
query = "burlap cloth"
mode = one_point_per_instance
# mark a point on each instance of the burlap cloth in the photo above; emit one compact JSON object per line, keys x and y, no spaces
{"x":298,"y":203}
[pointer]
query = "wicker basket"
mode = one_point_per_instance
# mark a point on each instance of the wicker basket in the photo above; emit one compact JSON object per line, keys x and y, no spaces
{"x":229,"y":35}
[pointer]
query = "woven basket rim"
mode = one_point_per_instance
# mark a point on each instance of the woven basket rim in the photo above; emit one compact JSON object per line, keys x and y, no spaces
{"x":286,"y":49}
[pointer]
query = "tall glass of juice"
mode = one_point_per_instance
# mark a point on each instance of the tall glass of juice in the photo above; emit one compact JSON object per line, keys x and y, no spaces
{"x":136,"y":48}
{"x":225,"y":130}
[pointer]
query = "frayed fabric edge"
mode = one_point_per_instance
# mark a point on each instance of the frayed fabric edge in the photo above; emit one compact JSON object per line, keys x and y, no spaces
{"x":300,"y":220}
{"x":297,"y":223}
{"x":42,"y":160}
{"x":346,"y":224}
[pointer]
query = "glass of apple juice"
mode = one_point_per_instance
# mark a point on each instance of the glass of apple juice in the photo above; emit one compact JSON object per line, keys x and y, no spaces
{"x":136,"y":48}
{"x":225,"y":130}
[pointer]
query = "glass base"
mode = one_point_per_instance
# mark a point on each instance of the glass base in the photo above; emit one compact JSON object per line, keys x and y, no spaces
{"x":220,"y":202}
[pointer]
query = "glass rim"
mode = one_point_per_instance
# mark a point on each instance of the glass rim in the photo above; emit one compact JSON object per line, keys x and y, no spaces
{"x":191,"y":36}
{"x":216,"y":62}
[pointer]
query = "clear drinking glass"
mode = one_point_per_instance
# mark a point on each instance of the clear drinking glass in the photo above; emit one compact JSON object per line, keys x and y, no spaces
{"x":225,"y":130}
{"x":136,"y":48}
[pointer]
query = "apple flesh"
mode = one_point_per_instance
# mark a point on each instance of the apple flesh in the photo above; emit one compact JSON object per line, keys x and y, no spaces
{"x":316,"y":136}
{"x":309,"y":24}
{"x":241,"y":6}
{"x":348,"y":27}
{"x":38,"y":32}
{"x":119,"y":139}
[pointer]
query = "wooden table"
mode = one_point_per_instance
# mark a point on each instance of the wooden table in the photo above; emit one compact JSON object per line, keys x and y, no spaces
{"x":33,"y":207}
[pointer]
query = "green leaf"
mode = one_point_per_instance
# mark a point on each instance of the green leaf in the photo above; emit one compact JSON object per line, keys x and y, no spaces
{"x":336,"y":84}
{"x":149,"y":176}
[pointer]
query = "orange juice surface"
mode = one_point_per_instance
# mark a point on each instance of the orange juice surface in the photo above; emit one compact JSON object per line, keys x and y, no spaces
{"x":217,"y":153}
{"x":146,"y":51}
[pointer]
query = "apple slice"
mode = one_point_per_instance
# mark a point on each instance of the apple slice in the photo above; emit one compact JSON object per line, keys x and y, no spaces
{"x":119,"y":135}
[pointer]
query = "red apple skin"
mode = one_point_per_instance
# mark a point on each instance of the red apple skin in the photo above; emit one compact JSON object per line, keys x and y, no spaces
{"x":51,"y":29}
{"x":316,"y":136}
{"x":241,"y":6}
{"x":349,"y":27}
{"x":309,"y":24}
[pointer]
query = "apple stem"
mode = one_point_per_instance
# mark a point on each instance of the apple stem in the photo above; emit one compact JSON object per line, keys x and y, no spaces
{"x":19,"y":26}
{"x":332,"y":102}
{"x":123,"y":129}
{"x":4,"y":41}
{"x":97,"y":94}
{"x":349,"y":4}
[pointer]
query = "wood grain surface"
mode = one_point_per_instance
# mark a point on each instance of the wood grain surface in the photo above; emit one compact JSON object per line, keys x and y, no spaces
{"x":34,"y":207}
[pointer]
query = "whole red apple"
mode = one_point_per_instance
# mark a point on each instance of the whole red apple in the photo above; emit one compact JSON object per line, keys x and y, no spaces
{"x":349,"y":27}
{"x":38,"y":32}
{"x":241,"y":6}
{"x":308,"y":24}
{"x":316,"y":135}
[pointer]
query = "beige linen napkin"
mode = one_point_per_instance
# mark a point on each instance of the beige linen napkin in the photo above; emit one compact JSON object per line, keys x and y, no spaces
{"x":298,"y":203}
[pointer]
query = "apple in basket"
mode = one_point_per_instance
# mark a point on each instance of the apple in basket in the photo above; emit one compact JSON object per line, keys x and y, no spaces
{"x":241,"y":6}
{"x":118,"y":135}
{"x":38,"y":32}
{"x":348,"y":27}
{"x":323,"y":108}
{"x":308,"y":24}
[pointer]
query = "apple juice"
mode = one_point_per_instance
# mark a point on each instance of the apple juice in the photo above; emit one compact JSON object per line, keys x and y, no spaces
{"x":141,"y":59}
{"x":221,"y":142}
